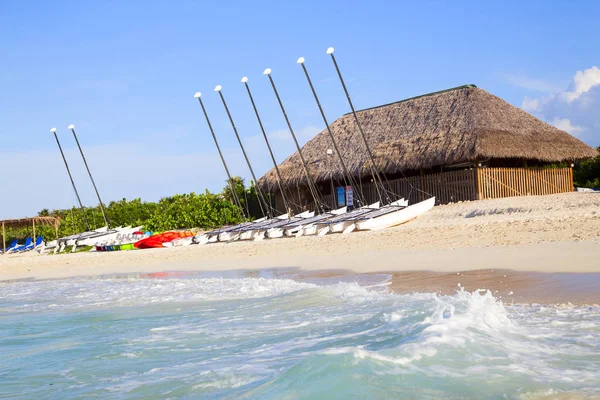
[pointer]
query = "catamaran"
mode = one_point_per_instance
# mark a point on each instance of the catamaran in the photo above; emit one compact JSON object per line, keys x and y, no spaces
{"x":294,"y":227}
{"x":373,"y":216}
{"x":390,"y":216}
{"x":89,"y":237}
{"x":395,"y":213}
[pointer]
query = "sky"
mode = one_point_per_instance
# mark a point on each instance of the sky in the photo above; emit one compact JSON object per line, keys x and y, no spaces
{"x":125,"y":72}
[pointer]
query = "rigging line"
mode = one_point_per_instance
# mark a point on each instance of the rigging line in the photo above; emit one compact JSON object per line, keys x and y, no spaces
{"x":261,"y":201}
{"x":236,"y":199}
{"x":339,"y":154}
{"x":81,"y":207}
{"x":374,"y":172}
{"x":311,"y":184}
{"x":262,"y":129}
{"x":72,"y":128}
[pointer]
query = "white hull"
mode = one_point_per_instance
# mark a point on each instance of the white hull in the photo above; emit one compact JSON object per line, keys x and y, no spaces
{"x":310,"y":230}
{"x":225,"y":236}
{"x":340,"y":226}
{"x":107,"y":237}
{"x":396,"y":218}
{"x":310,"y":227}
{"x":179,"y":242}
{"x":246,"y":235}
{"x":324,"y":228}
{"x":273,"y":233}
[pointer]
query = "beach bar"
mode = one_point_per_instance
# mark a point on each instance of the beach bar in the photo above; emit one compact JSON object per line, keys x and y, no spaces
{"x":458,"y":144}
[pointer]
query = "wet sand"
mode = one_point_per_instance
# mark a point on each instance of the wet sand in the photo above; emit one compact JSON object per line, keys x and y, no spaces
{"x":509,"y":285}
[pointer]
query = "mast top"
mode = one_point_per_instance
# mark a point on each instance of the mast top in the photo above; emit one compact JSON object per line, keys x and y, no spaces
{"x":71,"y":127}
{"x":330,"y":50}
{"x":244,"y":79}
{"x":53,"y":130}
{"x":197,"y":95}
{"x":300,"y":60}
{"x":267,"y":71}
{"x":218,"y":88}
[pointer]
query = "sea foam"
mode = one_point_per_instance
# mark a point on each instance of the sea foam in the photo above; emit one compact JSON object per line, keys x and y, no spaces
{"x":190,"y":337}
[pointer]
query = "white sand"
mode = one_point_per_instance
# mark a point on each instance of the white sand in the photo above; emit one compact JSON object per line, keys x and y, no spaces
{"x":558,"y":233}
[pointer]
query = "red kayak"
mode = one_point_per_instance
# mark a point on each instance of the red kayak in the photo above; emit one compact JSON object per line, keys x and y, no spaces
{"x":157,"y":241}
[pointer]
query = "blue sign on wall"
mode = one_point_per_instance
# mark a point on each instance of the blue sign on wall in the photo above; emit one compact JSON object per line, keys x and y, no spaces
{"x":341,"y":197}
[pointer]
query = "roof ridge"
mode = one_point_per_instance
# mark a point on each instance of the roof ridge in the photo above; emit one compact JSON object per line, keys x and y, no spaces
{"x":418,"y":97}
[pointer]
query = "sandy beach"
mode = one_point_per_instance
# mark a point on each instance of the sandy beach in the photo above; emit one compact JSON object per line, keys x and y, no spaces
{"x":467,"y":243}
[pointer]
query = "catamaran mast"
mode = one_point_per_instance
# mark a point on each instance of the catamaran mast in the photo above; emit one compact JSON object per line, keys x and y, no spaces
{"x":337,"y":150}
{"x":379,"y":186}
{"x":311,"y":184}
{"x":236,"y":199}
{"x":72,"y":128}
{"x":53,"y":130}
{"x":264,"y":206}
{"x":262,"y":129}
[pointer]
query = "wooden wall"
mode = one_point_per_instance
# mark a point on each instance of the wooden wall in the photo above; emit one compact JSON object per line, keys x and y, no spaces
{"x":507,"y":182}
{"x":477,"y":183}
{"x":470,"y":184}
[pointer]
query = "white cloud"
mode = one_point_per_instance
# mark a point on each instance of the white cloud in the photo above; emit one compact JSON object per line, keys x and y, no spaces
{"x":575,"y":110}
{"x":583,"y":82}
{"x":566,"y":125}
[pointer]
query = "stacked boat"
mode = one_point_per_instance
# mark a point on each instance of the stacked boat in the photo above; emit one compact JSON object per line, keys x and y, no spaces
{"x":387,"y":212}
{"x":322,"y":221}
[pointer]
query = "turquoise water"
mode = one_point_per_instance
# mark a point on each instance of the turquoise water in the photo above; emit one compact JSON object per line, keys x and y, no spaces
{"x":256,"y":338}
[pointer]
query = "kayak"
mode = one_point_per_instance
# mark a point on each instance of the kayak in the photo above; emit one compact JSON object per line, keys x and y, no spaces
{"x":157,"y":241}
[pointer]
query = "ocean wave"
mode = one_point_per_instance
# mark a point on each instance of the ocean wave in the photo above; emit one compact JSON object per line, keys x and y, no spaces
{"x":278,"y":338}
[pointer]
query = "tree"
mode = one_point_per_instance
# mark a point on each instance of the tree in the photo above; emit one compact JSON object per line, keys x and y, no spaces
{"x":247,"y":196}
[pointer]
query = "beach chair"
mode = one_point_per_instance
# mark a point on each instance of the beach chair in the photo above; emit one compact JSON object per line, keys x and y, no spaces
{"x":40,"y":245}
{"x":13,"y":244}
{"x":30,"y":245}
{"x":17,"y":249}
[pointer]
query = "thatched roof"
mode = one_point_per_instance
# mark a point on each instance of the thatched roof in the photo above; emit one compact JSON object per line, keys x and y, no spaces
{"x":443,"y":128}
{"x":20,"y":222}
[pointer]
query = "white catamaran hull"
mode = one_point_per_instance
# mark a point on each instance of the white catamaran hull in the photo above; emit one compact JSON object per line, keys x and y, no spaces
{"x":108,"y":236}
{"x":260,"y":234}
{"x":294,"y":231}
{"x":244,"y":235}
{"x":396,"y":218}
{"x":325,"y":228}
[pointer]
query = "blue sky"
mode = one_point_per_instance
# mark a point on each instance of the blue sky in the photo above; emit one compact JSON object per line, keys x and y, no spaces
{"x":124,"y":72}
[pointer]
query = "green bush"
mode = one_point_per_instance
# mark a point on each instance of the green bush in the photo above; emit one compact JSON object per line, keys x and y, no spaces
{"x":587,"y":173}
{"x":181,"y":211}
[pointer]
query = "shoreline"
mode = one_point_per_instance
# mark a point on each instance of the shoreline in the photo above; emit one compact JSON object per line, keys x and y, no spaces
{"x":532,"y":235}
{"x":544,"y":273}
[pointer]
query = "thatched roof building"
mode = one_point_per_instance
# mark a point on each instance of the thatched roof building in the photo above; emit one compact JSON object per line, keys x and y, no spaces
{"x":463,"y":124}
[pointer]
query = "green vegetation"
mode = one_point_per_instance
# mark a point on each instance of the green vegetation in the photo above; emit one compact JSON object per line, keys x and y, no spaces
{"x":180,"y":211}
{"x":587,"y":173}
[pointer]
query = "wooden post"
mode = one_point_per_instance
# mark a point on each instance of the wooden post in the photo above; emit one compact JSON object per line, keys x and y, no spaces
{"x":33,"y":223}
{"x":478,"y":179}
{"x":3,"y":239}
{"x":572,"y":185}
